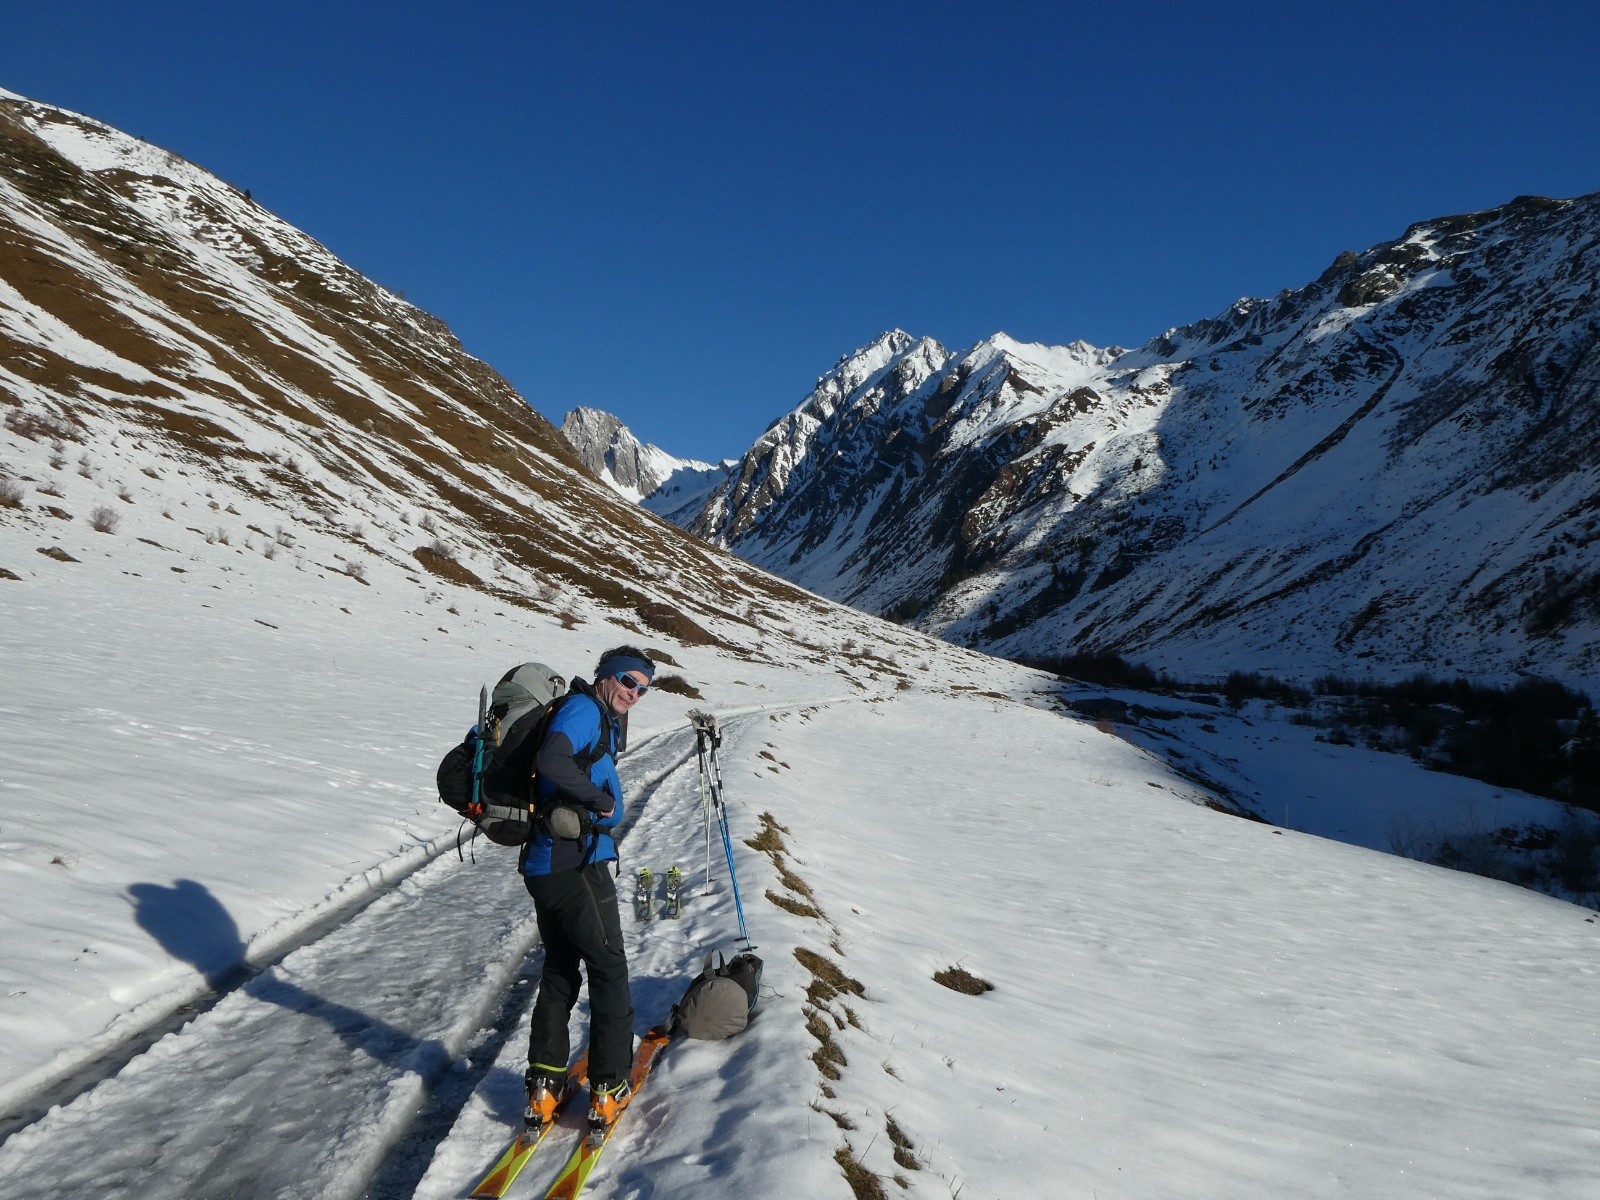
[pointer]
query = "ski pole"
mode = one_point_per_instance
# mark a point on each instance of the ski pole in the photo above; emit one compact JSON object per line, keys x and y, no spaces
{"x":733,"y":875}
{"x":721,"y":806}
{"x":705,"y":795}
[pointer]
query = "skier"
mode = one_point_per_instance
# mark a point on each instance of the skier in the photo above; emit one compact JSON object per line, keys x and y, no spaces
{"x":574,"y":893}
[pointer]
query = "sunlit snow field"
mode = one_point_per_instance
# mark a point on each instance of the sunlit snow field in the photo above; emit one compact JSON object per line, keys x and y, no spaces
{"x":1183,"y":1003}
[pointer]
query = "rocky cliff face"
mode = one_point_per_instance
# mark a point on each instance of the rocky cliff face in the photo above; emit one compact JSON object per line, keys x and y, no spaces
{"x":671,"y":487}
{"x":1393,"y":468}
{"x":610,"y":450}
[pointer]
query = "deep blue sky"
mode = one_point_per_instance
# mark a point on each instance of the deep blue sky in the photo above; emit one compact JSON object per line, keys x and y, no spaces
{"x":684,"y":213}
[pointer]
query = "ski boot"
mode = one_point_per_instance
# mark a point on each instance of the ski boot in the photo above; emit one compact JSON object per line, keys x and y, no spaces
{"x":544,"y":1095}
{"x":606,"y":1102}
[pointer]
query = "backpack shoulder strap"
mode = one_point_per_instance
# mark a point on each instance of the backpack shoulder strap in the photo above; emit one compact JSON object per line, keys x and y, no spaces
{"x":602,"y":742}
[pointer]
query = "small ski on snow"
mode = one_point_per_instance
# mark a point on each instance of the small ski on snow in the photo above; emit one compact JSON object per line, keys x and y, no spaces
{"x":672,"y":902}
{"x":509,"y":1165}
{"x":576,"y":1173}
{"x":644,"y":894}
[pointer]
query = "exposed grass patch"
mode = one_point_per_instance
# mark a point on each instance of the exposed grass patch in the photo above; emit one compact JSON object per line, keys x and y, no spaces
{"x":39,"y":427}
{"x":792,"y":881}
{"x":664,"y":618}
{"x":769,"y":840}
{"x":445,"y":566}
{"x":904,"y":1151}
{"x":863,"y":1182}
{"x":798,"y":907}
{"x":827,"y":974}
{"x":959,"y":979}
{"x":839,"y":1119}
{"x":57,"y":553}
{"x":828,"y":1057}
{"x":677,"y":685}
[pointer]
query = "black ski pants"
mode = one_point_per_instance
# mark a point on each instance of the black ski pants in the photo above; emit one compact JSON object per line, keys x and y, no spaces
{"x":580,"y":927}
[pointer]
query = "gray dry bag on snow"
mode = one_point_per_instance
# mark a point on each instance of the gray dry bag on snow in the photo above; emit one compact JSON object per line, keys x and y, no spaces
{"x":719,"y":1002}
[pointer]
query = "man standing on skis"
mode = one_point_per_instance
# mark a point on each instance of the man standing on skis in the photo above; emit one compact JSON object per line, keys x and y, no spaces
{"x":568,"y":870}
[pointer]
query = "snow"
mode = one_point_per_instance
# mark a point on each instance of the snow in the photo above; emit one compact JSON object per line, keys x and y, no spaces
{"x":1183,"y":1003}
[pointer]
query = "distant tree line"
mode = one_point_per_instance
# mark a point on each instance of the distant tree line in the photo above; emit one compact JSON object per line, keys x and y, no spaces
{"x":1537,"y":735}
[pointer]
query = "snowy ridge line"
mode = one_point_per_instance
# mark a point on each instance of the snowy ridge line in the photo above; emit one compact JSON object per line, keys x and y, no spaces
{"x":133,"y":1031}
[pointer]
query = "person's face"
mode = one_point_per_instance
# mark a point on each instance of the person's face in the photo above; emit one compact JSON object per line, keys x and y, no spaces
{"x":622,"y":692}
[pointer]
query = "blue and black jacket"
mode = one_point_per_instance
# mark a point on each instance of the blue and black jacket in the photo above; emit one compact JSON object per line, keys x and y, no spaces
{"x":582,"y":731}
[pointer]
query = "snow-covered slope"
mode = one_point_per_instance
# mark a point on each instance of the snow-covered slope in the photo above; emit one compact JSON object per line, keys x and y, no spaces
{"x":1390,"y":469}
{"x":266,"y":531}
{"x":239,"y":484}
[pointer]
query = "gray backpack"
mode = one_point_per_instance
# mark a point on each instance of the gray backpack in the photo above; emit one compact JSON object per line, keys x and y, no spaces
{"x":488,"y":777}
{"x":719,"y":1002}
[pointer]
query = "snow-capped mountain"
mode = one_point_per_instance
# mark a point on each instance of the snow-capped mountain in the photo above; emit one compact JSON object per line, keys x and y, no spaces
{"x":1394,"y":468}
{"x":666,"y":485}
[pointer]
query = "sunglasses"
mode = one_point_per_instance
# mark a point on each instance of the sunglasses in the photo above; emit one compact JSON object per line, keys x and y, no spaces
{"x":632,"y":684}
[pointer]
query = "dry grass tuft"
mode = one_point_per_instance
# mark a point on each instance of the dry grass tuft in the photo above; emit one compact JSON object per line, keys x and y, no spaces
{"x":792,"y":881}
{"x":828,"y":1058}
{"x":903,"y":1149}
{"x":827,"y":974}
{"x":798,"y":907}
{"x":445,"y":567}
{"x":863,"y":1182}
{"x":839,"y":1119}
{"x":677,"y":685}
{"x":11,"y":493}
{"x":770,"y":839}
{"x":959,"y":979}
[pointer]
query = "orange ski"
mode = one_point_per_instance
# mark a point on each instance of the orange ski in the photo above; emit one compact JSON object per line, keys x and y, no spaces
{"x":505,"y":1171}
{"x":576,"y":1173}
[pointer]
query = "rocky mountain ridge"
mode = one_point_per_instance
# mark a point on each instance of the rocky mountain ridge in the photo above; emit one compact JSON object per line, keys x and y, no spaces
{"x":1391,"y":469}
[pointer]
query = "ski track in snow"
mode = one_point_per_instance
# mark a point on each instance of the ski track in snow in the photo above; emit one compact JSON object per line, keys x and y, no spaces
{"x":299,"y":1082}
{"x":294,"y":1084}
